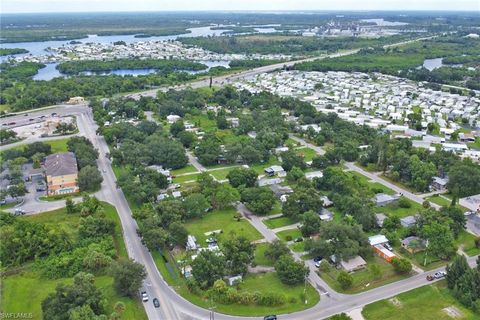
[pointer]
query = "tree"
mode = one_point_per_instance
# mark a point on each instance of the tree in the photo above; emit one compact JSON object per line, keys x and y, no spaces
{"x":375,"y":270}
{"x":208,"y":267}
{"x":70,"y":206}
{"x":310,"y":223}
{"x":345,"y":280}
{"x":440,"y":240}
{"x":155,"y":238}
{"x":176,"y":128}
{"x":259,"y":200}
{"x":301,"y":201}
{"x":290,"y":159}
{"x":464,"y":178}
{"x":401,"y":265}
{"x":295,"y":174}
{"x":275,"y":250}
{"x":224,"y":196}
{"x":186,"y":138}
{"x":289,"y":271}
{"x":238,"y":253}
{"x":128,"y":276}
{"x":89,"y":179}
{"x":456,"y":270}
{"x":68,"y":299}
{"x":195,"y":205}
{"x":341,"y":316}
{"x":178,"y":233}
{"x":242,"y":177}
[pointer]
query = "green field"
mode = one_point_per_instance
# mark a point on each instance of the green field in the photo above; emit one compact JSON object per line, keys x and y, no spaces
{"x":298,"y":246}
{"x":221,"y":174}
{"x":188,"y":177}
{"x":274,"y":223}
{"x":364,"y":280}
{"x":307,"y":153}
{"x":395,"y":210}
{"x":441,"y":201}
{"x":260,"y":259}
{"x":259,"y":168}
{"x":293,"y":233}
{"x":466,"y":241}
{"x":24,"y":291}
{"x":424,"y":303}
{"x":187,"y":169}
{"x":221,"y":220}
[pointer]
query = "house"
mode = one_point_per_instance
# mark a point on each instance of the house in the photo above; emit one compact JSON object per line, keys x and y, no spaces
{"x":269,"y":182}
{"x":439,"y":184}
{"x":325,"y":215}
{"x":326,"y":202}
{"x":191,"y":243}
{"x":384,"y":252}
{"x":377,"y":239}
{"x":274,"y":170}
{"x":382,"y":199}
{"x":408,"y":221}
{"x":279,"y":150}
{"x":280,"y":190}
{"x":413,"y":244}
{"x":380,"y":218}
{"x":234,"y":122}
{"x":61,"y":173}
{"x":173,"y":118}
{"x":353,"y":264}
{"x":313,"y":174}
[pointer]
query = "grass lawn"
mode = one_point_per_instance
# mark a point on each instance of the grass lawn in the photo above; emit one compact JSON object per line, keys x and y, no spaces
{"x":59,"y":145}
{"x":259,"y":167}
{"x":60,"y":196}
{"x":221,"y":174}
{"x":277,"y":208}
{"x":24,"y":292}
{"x":419,"y":259}
{"x":278,"y":222}
{"x":260,"y":259}
{"x":188,"y":169}
{"x":293,"y":233}
{"x":202,"y":121}
{"x":364,"y":277}
{"x":298,"y":246}
{"x":372,"y":185}
{"x":395,"y":210}
{"x":221,"y":220}
{"x":466,"y":241}
{"x":307,"y":153}
{"x":424,"y":303}
{"x":189,"y":177}
{"x":439,"y":200}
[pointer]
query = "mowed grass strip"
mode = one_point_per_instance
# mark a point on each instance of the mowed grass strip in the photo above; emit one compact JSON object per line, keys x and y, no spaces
{"x":426,"y":303}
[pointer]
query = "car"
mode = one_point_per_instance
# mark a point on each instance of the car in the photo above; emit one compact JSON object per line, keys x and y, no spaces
{"x":11,"y":123}
{"x":430,"y":277}
{"x":54,"y":114}
{"x":317,"y":259}
{"x":299,"y":239}
{"x":317,"y":264}
{"x":388,"y":246}
{"x":104,"y":171}
{"x":156,"y":303}
{"x":144,"y":296}
{"x":25,"y":115}
{"x":270,"y":317}
{"x":31,"y":119}
{"x":19,"y":211}
{"x":439,"y":274}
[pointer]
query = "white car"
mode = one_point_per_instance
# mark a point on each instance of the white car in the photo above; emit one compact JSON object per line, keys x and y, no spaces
{"x":144,"y":296}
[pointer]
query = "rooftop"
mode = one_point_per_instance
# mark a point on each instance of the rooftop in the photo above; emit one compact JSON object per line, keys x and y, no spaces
{"x":61,"y":164}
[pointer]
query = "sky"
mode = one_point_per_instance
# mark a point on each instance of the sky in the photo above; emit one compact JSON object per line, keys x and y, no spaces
{"x":24,"y":6}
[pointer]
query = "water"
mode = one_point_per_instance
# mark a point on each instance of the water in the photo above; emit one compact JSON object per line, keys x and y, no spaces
{"x":431,"y":64}
{"x":50,"y":71}
{"x":384,"y":23}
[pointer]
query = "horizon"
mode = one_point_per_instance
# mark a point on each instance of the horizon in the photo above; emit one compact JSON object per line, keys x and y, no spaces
{"x":272,"y":6}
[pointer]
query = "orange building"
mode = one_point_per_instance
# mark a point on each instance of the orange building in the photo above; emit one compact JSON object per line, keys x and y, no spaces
{"x":384,"y":252}
{"x":62,"y":173}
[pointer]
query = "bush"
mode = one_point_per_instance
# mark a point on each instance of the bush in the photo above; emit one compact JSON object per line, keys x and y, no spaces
{"x":477,"y":242}
{"x":404,"y":202}
{"x":345,"y":280}
{"x":288,"y":238}
{"x":401,"y":265}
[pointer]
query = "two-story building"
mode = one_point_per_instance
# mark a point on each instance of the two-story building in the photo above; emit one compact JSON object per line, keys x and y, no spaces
{"x":61,"y":173}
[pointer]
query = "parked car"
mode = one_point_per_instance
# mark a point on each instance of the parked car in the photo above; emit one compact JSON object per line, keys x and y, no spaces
{"x":299,"y":239}
{"x":388,"y":246}
{"x":144,"y":296}
{"x":317,"y":264}
{"x":156,"y":303}
{"x":430,"y":277}
{"x":19,"y":212}
{"x":271,"y":317}
{"x":317,"y":259}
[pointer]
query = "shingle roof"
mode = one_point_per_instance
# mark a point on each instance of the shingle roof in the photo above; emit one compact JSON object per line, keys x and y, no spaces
{"x":61,"y":164}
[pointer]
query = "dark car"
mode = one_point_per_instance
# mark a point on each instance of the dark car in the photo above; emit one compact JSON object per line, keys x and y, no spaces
{"x":317,"y":259}
{"x":54,"y":114}
{"x":156,"y":303}
{"x":430,"y":277}
{"x":271,"y":317}
{"x":299,"y":239}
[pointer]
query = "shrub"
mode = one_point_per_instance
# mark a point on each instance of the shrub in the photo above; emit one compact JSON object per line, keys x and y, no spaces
{"x":345,"y":280}
{"x":404,"y":202}
{"x":288,"y":238}
{"x":477,"y":242}
{"x":401,"y":265}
